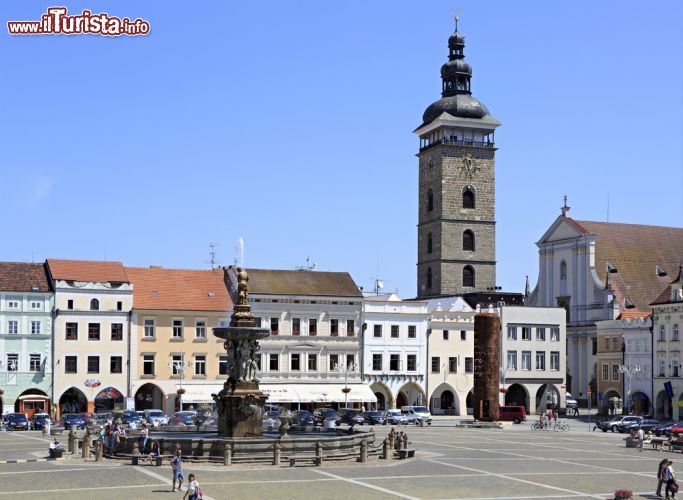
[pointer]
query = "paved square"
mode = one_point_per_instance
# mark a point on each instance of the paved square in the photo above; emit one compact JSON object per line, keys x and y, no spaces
{"x":514,"y":462}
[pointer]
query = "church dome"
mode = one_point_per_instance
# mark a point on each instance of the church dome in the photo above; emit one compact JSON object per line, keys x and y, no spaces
{"x":458,"y":105}
{"x":455,"y":67}
{"x":456,"y":40}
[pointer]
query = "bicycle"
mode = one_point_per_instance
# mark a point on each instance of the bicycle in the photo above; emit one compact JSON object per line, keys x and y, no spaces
{"x":561,"y":426}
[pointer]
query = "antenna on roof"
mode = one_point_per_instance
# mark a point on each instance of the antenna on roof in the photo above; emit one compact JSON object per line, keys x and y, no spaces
{"x":212,"y":254}
{"x":309,"y":266}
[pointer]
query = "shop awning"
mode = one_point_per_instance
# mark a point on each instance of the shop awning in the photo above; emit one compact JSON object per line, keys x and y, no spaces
{"x":334,"y":393}
{"x":280,"y":393}
{"x":200,"y":393}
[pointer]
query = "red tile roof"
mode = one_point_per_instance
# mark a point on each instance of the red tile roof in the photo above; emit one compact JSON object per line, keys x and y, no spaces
{"x":87,"y":271}
{"x":633,"y":315}
{"x":23,"y":277}
{"x":636,"y":251}
{"x":286,"y":282}
{"x":179,"y":289}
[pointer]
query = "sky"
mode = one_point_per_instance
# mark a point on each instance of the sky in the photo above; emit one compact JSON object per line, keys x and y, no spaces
{"x":289,"y":124}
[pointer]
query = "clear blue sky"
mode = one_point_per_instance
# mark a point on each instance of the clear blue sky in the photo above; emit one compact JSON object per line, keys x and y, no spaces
{"x":290,"y":124}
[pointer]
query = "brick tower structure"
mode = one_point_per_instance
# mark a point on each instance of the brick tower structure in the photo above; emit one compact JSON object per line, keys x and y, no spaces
{"x":456,"y":231}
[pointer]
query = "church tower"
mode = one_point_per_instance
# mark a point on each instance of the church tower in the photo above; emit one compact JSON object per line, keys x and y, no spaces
{"x":456,"y":230}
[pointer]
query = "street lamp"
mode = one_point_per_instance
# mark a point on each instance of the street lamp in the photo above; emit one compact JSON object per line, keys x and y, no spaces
{"x":628,"y":372}
{"x":345,"y":369}
{"x":179,"y":369}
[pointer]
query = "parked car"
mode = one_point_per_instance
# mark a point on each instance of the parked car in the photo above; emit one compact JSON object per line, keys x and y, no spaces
{"x":350,"y":416}
{"x":303,"y":418}
{"x":395,"y":417}
{"x":663,"y":428}
{"x":374,"y":418}
{"x":130,"y":416}
{"x":87,"y":418}
{"x":613,"y":424}
{"x":38,"y":421}
{"x":17,"y":421}
{"x":516,"y":414}
{"x":322,"y":414}
{"x":183,"y":418}
{"x":104,"y":417}
{"x":158,"y":416}
{"x":71,"y":419}
{"x":271,"y":420}
{"x":676,"y":429}
{"x":416,"y":413}
{"x":645,"y":424}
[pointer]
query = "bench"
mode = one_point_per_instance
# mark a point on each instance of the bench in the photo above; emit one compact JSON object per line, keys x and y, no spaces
{"x":677,"y":444}
{"x":403,"y":454}
{"x":657,"y":443}
{"x":135,"y":459}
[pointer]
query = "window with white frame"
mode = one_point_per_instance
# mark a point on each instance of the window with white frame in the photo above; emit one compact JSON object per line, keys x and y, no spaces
{"x":222,"y":365}
{"x":662,"y":368}
{"x":177,"y":364}
{"x":394,"y":362}
{"x":312,"y":362}
{"x":295,"y":362}
{"x":377,"y":362}
{"x":377,"y":331}
{"x":540,"y":333}
{"x":200,"y":365}
{"x":411,"y":362}
{"x":34,"y":362}
{"x":12,"y":362}
{"x":412,"y":331}
{"x":13,"y":326}
{"x":394,"y":332}
{"x":526,"y":333}
{"x":452,"y":364}
{"x":273,"y":362}
{"x":615,"y":372}
{"x":540,"y":360}
{"x":469,"y":365}
{"x":605,"y":372}
{"x":35,"y":327}
{"x":615,"y":343}
{"x":36,"y":305}
{"x":512,"y":333}
{"x":607,"y":343}
{"x":12,"y":304}
{"x":554,"y":360}
{"x":526,"y":360}
{"x":116,"y":364}
{"x":555,"y":334}
{"x":150,"y":328}
{"x":512,"y":360}
{"x":177,"y":329}
{"x":148,"y":364}
{"x":200,"y":329}
{"x":674,"y":367}
{"x":334,"y":362}
{"x":662,"y":333}
{"x":674,"y":332}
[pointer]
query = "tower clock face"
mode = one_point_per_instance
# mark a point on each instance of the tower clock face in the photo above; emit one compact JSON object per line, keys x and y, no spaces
{"x":469,"y":167}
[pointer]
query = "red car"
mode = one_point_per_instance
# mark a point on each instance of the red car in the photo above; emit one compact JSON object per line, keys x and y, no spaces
{"x":676,"y":429}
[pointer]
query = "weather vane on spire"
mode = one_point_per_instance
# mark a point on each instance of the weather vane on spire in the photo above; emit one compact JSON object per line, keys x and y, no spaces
{"x":456,"y":18}
{"x":565,"y":208}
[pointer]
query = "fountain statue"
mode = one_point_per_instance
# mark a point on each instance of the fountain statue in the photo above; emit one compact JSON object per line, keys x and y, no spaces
{"x":240,"y":403}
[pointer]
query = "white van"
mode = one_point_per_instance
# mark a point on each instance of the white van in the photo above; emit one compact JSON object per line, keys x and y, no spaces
{"x":569,"y":400}
{"x":416,"y":413}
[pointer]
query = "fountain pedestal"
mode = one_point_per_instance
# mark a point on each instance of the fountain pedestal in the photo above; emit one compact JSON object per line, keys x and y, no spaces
{"x":240,"y":409}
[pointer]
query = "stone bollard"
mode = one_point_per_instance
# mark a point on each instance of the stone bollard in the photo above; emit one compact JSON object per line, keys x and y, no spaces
{"x":405,"y":441}
{"x":363,"y":451}
{"x":276,"y":453}
{"x":85,"y":446}
{"x":99,"y":451}
{"x":385,"y":449}
{"x":71,"y":443}
{"x":227,"y":454}
{"x":318,"y":453}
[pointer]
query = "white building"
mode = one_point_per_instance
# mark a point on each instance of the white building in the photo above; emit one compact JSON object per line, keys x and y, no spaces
{"x":533,"y":351}
{"x":450,"y":352}
{"x":395,"y":350}
{"x":93,"y":302}
{"x":667,"y":319}
{"x":314,"y":351}
{"x":595,"y":271}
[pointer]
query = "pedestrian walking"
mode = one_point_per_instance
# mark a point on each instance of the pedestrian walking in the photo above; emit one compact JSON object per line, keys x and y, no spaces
{"x":641,"y":437}
{"x":177,"y":465}
{"x":660,"y":476}
{"x":670,"y":478}
{"x":144,"y":435}
{"x":194,"y":491}
{"x":47,"y":426}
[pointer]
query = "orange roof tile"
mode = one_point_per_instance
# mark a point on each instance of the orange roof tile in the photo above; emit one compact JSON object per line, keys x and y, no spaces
{"x":636,"y":251}
{"x":23,"y":277}
{"x":179,"y":289}
{"x":87,"y":271}
{"x":633,"y":315}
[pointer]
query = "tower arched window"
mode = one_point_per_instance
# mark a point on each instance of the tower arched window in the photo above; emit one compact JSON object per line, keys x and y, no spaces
{"x":430,"y":200}
{"x":563,"y":270}
{"x":429,"y":243}
{"x":94,"y":305}
{"x":468,"y":198}
{"x":429,"y":278}
{"x":468,"y":241}
{"x":468,"y":276}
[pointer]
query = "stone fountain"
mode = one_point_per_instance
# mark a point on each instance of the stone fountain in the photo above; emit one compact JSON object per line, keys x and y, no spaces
{"x":240,"y":403}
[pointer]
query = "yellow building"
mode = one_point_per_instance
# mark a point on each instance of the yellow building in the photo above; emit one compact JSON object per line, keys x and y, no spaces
{"x":173,"y":349}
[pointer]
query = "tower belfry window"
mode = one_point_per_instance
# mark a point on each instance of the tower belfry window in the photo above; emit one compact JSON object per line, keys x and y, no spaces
{"x":429,"y":243}
{"x":468,"y":198}
{"x":429,"y":277}
{"x":430,"y":200}
{"x":468,"y":241}
{"x":468,"y":276}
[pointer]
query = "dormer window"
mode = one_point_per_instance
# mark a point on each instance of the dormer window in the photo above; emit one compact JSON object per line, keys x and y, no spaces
{"x":94,"y":305}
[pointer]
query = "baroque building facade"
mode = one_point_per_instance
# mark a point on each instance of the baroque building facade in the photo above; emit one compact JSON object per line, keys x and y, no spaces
{"x":26,"y":307}
{"x":456,"y":213}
